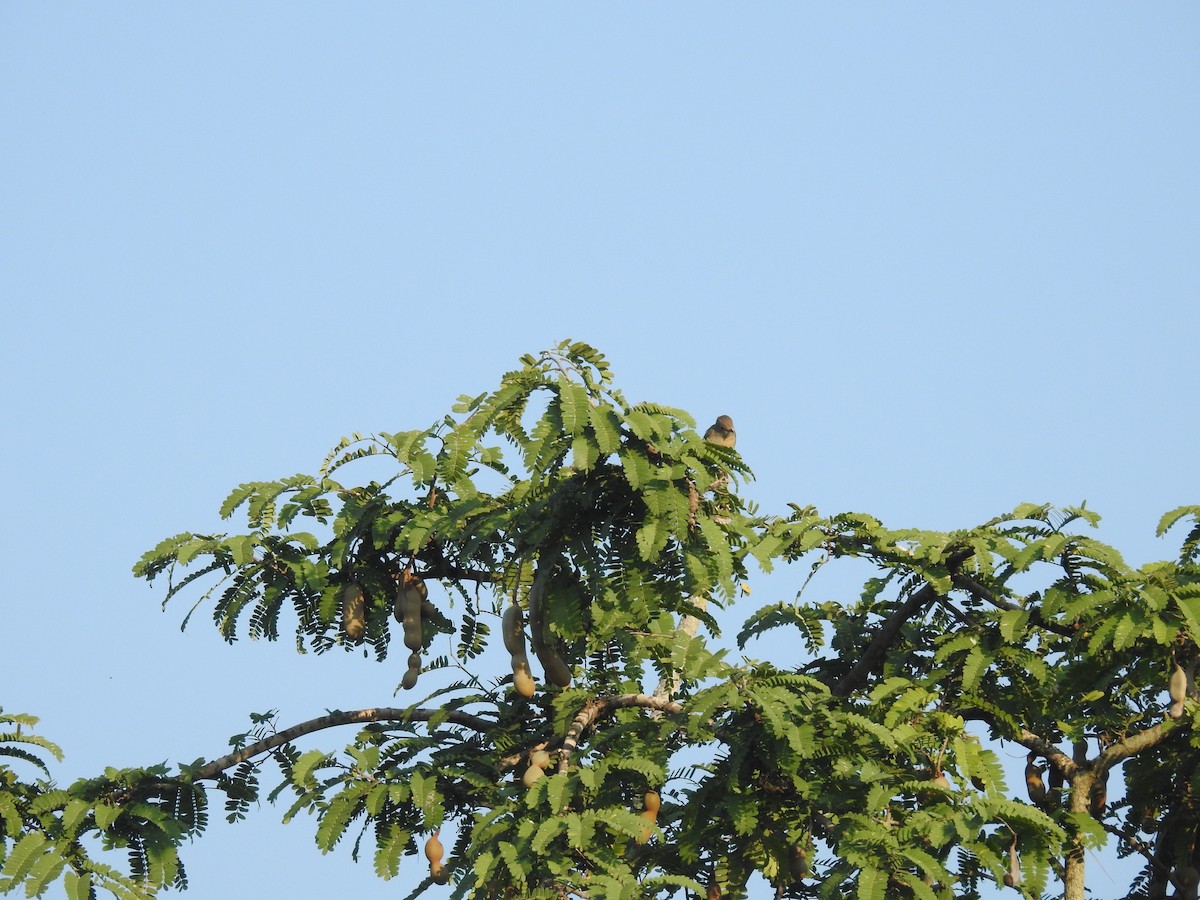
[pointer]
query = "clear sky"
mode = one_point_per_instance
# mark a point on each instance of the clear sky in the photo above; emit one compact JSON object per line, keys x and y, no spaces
{"x":934,"y":258}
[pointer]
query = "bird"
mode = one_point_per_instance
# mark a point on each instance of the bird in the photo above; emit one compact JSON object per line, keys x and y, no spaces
{"x":721,"y":432}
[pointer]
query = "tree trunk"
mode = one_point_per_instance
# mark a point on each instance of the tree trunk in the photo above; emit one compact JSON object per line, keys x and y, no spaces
{"x":1079,"y":801}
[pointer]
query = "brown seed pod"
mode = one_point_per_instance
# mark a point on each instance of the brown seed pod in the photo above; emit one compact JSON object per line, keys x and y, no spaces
{"x":1186,"y":879}
{"x":1099,"y":797}
{"x":941,"y":781}
{"x":652,"y":802}
{"x":354,"y":612}
{"x":531,"y":776}
{"x":798,"y":861}
{"x":1034,"y":785}
{"x":407,"y":610}
{"x":556,"y":669}
{"x":1149,"y":823}
{"x":409,"y":681}
{"x":1013,"y":876}
{"x":1177,"y":688}
{"x":540,"y":758}
{"x":433,"y":853}
{"x":1055,"y":793}
{"x":514,"y":643}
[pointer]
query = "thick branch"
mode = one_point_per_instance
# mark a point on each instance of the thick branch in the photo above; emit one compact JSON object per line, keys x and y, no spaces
{"x":883,"y":639}
{"x":887,"y":633}
{"x":381,"y":714}
{"x":1049,"y":752}
{"x":1135,"y":744}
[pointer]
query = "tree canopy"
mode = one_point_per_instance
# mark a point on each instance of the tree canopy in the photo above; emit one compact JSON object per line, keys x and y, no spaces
{"x":625,"y":752}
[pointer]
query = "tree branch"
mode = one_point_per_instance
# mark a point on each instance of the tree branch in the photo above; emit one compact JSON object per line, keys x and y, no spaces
{"x":594,"y":709}
{"x":341,"y":717}
{"x":971,"y":586}
{"x":688,"y":625}
{"x":1049,"y":752}
{"x":1135,"y":744}
{"x":883,"y":639}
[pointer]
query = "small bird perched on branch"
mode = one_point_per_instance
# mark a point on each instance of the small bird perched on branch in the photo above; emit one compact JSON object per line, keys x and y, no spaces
{"x":721,"y":432}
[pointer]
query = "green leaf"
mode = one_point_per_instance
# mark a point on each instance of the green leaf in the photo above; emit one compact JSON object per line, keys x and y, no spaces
{"x":78,"y":887}
{"x":43,"y":872}
{"x":424,"y":792}
{"x":872,"y":884}
{"x":574,"y":406}
{"x":547,"y":832}
{"x":456,"y":450}
{"x":1013,"y":623}
{"x":974,"y":666}
{"x":584,"y":452}
{"x":105,"y":815}
{"x":302,"y":771}
{"x":1190,"y":607}
{"x":607,"y":428}
{"x":26,"y":852}
{"x":241,"y":547}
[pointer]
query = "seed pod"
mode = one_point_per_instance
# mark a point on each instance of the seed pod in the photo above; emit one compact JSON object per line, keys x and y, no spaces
{"x":652,"y":802}
{"x":1099,"y":797}
{"x":798,"y":862}
{"x":354,"y":612}
{"x":1013,"y":876}
{"x":409,"y":681}
{"x":1186,"y":879}
{"x":514,"y":643}
{"x":1149,"y":820}
{"x":1053,"y":796}
{"x":1177,"y":688}
{"x":407,"y":610}
{"x":433,"y":853}
{"x":1034,"y":785}
{"x":540,"y":758}
{"x":532,"y":774}
{"x":556,"y":669}
{"x":941,"y":781}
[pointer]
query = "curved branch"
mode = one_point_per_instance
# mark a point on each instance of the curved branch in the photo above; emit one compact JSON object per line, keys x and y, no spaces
{"x":212,"y":769}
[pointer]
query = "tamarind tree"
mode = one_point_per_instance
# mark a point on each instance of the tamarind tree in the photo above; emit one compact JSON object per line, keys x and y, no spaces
{"x":626,"y":753}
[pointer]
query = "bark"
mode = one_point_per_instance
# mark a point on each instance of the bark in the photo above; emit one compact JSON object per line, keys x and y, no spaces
{"x":1078,"y":801}
{"x":357,"y":716}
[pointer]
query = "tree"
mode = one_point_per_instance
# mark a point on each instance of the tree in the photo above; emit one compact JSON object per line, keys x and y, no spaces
{"x":632,"y":757}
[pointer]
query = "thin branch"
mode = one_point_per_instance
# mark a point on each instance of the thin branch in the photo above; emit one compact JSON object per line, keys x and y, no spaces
{"x":1136,"y":844}
{"x":688,"y":625}
{"x":341,"y":717}
{"x":594,"y":709}
{"x":971,"y":586}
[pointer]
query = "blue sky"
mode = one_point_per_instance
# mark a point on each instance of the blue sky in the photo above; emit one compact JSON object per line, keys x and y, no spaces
{"x":935,"y":259}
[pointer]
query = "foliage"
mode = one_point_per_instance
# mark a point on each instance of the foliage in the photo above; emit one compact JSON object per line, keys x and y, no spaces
{"x":866,"y":767}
